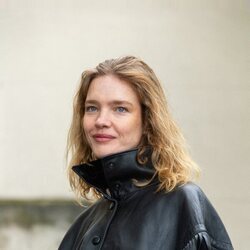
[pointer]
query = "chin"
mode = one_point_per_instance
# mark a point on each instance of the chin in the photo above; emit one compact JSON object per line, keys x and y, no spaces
{"x":104,"y":153}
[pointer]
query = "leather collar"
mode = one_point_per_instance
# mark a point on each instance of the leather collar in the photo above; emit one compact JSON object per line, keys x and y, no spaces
{"x":116,"y":173}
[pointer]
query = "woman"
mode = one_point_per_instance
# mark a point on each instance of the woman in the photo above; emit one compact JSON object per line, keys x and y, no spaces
{"x":127,"y":151}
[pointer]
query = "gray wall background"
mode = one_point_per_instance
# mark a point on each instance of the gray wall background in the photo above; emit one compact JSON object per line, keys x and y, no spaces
{"x":200,"y":51}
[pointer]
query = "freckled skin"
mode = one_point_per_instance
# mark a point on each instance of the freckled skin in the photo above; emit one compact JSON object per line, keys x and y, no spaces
{"x":112,"y":121}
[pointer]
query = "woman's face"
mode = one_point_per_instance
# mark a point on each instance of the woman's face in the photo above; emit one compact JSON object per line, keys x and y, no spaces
{"x":112,"y":121}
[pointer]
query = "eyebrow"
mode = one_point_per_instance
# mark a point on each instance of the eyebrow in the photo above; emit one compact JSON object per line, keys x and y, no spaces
{"x":114,"y":102}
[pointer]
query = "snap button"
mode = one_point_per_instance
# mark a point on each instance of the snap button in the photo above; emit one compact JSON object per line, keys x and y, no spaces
{"x":111,"y":206}
{"x":96,"y":240}
{"x":117,"y":186}
{"x":111,"y":165}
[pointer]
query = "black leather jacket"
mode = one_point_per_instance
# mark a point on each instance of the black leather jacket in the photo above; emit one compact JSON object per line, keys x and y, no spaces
{"x":139,"y":218}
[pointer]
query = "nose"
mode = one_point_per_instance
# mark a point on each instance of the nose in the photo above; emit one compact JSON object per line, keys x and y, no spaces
{"x":103,"y":120}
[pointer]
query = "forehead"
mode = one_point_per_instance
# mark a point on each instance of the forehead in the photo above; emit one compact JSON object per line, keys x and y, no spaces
{"x":110,"y":87}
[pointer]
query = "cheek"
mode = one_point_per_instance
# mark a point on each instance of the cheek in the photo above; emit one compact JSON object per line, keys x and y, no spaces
{"x":86,"y":123}
{"x":138,"y":130}
{"x":134,"y":128}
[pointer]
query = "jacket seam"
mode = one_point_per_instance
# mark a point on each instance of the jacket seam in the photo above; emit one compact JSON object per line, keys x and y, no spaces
{"x":213,"y":241}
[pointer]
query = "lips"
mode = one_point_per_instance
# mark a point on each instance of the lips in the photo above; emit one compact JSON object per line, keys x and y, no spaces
{"x":103,"y":137}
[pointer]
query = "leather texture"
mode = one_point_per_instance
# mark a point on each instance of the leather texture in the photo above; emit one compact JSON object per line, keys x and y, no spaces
{"x":131,"y":217}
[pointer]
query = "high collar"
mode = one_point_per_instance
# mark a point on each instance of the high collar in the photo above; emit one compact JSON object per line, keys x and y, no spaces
{"x":116,"y":173}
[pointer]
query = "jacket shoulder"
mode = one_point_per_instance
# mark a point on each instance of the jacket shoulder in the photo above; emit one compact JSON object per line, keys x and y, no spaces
{"x":190,"y":191}
{"x":194,"y":199}
{"x":201,"y":218}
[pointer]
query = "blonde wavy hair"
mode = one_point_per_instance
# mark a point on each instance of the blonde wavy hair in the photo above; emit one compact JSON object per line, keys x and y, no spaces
{"x":170,"y":157}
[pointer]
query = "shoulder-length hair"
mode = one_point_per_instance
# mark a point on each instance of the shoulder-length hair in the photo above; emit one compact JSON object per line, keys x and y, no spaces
{"x":170,"y":157}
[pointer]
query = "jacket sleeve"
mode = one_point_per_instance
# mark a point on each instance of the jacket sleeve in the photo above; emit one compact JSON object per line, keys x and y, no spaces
{"x":202,"y":241}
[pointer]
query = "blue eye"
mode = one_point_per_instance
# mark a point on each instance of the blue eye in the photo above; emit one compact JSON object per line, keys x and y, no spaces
{"x":121,"y":109}
{"x":90,"y":109}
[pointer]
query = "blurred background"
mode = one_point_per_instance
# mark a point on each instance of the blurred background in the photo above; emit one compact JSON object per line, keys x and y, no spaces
{"x":199,"y":49}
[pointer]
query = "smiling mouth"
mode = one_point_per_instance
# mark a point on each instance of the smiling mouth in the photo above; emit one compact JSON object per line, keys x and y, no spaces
{"x":103,"y":138}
